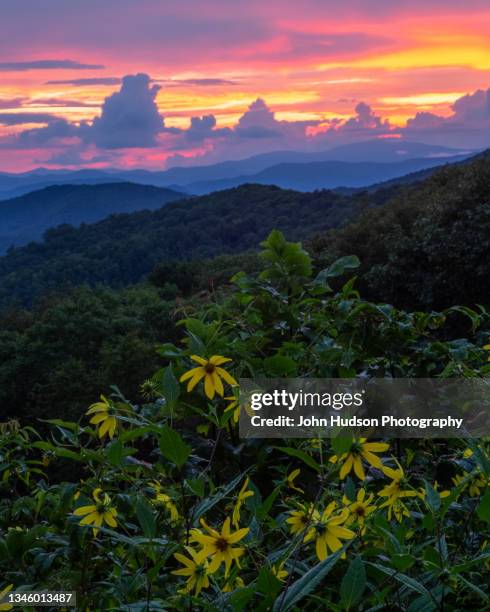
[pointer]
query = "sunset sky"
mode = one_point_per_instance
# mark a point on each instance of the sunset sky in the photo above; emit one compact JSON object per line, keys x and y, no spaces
{"x":224,"y":79}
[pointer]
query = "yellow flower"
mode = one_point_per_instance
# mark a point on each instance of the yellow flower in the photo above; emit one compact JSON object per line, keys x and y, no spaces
{"x":233,"y":582}
{"x":3,"y":594}
{"x":395,"y":492}
{"x":302,"y":519}
{"x":210,"y":370}
{"x":329,"y":532}
{"x":165,"y":500}
{"x":468,"y":452}
{"x":476,"y":483}
{"x":442,"y":494}
{"x":279,"y":572}
{"x":291,"y":478}
{"x":233,"y":405}
{"x":242,"y":496}
{"x":219,"y":546}
{"x":104,"y":417}
{"x":487,"y":348}
{"x":359,"y":509}
{"x":359,"y":450}
{"x":396,"y":508}
{"x":196,"y":569}
{"x":99,"y":513}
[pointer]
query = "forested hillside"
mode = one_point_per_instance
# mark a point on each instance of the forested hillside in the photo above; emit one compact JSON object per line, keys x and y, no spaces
{"x":27,"y":217}
{"x":123,"y":249}
{"x":429,"y":247}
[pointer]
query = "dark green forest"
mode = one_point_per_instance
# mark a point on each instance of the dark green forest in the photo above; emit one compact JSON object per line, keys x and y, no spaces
{"x":72,"y":335}
{"x":124,"y":248}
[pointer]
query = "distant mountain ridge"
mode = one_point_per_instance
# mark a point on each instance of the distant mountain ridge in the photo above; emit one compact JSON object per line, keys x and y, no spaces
{"x":182,"y":178}
{"x":27,"y":217}
{"x":325,"y":175}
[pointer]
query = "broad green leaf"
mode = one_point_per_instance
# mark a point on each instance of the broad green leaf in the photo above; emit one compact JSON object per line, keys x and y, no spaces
{"x":304,"y":457}
{"x":353,"y":584}
{"x":432,"y":498}
{"x":483,"y":509}
{"x":341,"y":443}
{"x":306,"y":584}
{"x":170,"y":385}
{"x":338,"y":267}
{"x":279,"y":365}
{"x":146,"y":518}
{"x":173,"y":447}
{"x":115,"y":452}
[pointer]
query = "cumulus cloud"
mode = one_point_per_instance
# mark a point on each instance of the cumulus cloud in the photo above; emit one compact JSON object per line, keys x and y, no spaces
{"x":56,"y":129}
{"x":468,"y":126}
{"x":48,"y":64}
{"x":473,"y":107}
{"x":258,"y":122}
{"x":130,"y":117}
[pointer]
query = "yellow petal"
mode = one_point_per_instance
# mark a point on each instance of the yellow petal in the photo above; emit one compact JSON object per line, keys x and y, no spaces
{"x":218,"y":360}
{"x":190,"y":374}
{"x":201,"y":372}
{"x":84,"y":510}
{"x":209,"y":389}
{"x":358,"y":469}
{"x":226,"y":376}
{"x":218,"y":385}
{"x":346,"y":467}
{"x":199,"y":360}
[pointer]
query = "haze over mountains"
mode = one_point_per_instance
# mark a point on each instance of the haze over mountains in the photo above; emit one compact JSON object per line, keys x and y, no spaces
{"x":375,"y":161}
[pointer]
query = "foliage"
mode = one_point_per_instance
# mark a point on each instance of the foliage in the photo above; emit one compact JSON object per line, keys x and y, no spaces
{"x":124,"y":248}
{"x":429,"y":247}
{"x":58,"y":357}
{"x":167,"y":509}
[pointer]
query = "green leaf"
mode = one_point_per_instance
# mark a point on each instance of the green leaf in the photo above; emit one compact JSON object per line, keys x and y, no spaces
{"x":115,"y":453}
{"x":212,"y":500}
{"x":432,"y":498}
{"x":411,"y":583}
{"x":306,"y":584}
{"x":146,"y":518}
{"x":483,"y":509}
{"x":279,"y":365}
{"x":353,"y":584}
{"x":339,"y":267}
{"x":173,"y":447}
{"x":402,"y":561}
{"x":196,"y":485}
{"x":350,"y":489}
{"x":170,"y":385}
{"x":342,"y":443}
{"x":304,"y":457}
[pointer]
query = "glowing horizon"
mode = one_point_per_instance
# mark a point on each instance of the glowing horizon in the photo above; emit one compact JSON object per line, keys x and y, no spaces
{"x":312,"y":65}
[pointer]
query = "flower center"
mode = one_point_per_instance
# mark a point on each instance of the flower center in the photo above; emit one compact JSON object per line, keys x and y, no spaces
{"x":360,"y":511}
{"x":209,"y":367}
{"x":221,"y":544}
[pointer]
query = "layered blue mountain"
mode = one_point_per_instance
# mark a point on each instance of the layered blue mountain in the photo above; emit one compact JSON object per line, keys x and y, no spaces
{"x":27,"y":217}
{"x":205,"y":179}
